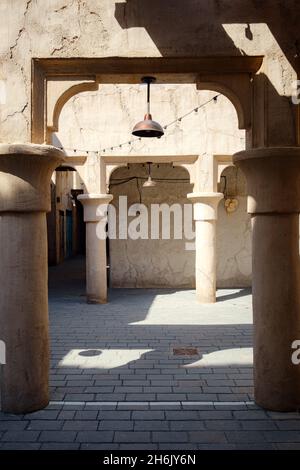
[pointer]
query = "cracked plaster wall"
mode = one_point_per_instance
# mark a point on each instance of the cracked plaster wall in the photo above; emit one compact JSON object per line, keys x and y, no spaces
{"x":213,"y":130}
{"x":234,"y":247}
{"x":132,"y":28}
{"x":105,"y":118}
{"x":151,"y":263}
{"x":166,"y":263}
{"x":139,"y":28}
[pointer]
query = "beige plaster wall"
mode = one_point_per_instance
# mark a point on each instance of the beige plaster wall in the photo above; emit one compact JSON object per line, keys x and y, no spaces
{"x":139,"y":28}
{"x":151,"y":263}
{"x":105,"y":118}
{"x":166,"y":263}
{"x":234,"y":248}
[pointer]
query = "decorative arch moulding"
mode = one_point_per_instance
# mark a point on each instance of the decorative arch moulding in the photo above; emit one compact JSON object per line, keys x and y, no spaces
{"x":70,"y":76}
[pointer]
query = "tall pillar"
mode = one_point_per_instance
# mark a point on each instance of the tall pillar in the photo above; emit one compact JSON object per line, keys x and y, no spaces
{"x":25,"y":174}
{"x":273,"y":181}
{"x":95,"y":216}
{"x":205,"y":216}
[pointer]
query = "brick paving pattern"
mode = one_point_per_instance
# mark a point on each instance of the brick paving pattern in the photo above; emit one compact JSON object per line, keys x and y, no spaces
{"x":116,"y":383}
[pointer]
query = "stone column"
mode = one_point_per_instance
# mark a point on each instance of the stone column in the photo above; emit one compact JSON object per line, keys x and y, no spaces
{"x":273,"y":181}
{"x":25,"y":173}
{"x":95,"y":216}
{"x":205,"y":216}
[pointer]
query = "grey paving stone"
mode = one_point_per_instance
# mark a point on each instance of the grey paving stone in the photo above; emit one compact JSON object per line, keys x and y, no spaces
{"x":113,"y":415}
{"x":148,"y":415}
{"x":263,"y":425}
{"x":116,"y":425}
{"x":10,"y":417}
{"x":110,"y":397}
{"x":207,"y":437}
{"x":171,"y":396}
{"x":287,"y":446}
{"x":20,"y":446}
{"x":140,"y":397}
{"x":13,"y":425}
{"x":66,"y":414}
{"x":57,"y":436}
{"x":42,"y":414}
{"x":60,"y":446}
{"x":20,"y":436}
{"x":209,"y":446}
{"x":80,"y":425}
{"x":287,"y":425}
{"x":215,"y":414}
{"x":202,"y":396}
{"x":151,"y":425}
{"x":222,"y":425}
{"x":44,"y":424}
{"x":86,"y":414}
{"x":107,"y":446}
{"x":145,"y":446}
{"x":169,"y":436}
{"x":160,"y":390}
{"x":94,"y":436}
{"x":79,"y":377}
{"x":250,"y":414}
{"x":128,"y":389}
{"x":277,"y":415}
{"x":179,"y":415}
{"x":79,"y":397}
{"x":282,"y":436}
{"x":135,"y":437}
{"x":186,"y":425}
{"x":245,"y":436}
{"x":255,"y":446}
{"x":176,"y":447}
{"x":78,"y":383}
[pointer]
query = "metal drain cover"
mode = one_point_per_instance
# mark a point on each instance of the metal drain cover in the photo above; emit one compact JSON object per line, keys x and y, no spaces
{"x":185,"y":351}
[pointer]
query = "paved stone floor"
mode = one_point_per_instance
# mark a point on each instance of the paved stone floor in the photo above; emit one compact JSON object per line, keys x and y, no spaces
{"x":116,"y":382}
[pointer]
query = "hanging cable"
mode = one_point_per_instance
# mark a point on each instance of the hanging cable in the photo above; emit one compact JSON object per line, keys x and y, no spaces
{"x":130,"y":142}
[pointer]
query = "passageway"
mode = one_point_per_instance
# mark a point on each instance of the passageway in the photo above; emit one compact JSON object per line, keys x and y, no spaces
{"x":151,"y":369}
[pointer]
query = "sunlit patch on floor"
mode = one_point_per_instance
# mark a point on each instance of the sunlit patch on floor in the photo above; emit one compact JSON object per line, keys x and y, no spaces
{"x":101,"y":358}
{"x":225,"y":357}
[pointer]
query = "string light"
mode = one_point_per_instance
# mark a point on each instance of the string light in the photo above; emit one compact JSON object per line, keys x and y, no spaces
{"x":166,"y":126}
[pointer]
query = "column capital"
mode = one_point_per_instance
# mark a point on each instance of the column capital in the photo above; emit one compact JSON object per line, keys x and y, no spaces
{"x":25,"y":174}
{"x":273,"y":178}
{"x":205,"y":205}
{"x":95,"y":206}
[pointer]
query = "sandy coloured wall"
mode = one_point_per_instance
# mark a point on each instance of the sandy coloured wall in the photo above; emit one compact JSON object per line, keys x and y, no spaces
{"x":167,"y":263}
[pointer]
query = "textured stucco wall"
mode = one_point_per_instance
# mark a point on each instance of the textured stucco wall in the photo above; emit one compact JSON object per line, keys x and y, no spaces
{"x":97,"y":120}
{"x":139,"y":28}
{"x":234,"y":262}
{"x":166,"y":263}
{"x":151,"y":263}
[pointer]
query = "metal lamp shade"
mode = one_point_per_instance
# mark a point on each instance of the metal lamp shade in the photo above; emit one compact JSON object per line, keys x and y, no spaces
{"x":149,"y":183}
{"x":148,"y":128}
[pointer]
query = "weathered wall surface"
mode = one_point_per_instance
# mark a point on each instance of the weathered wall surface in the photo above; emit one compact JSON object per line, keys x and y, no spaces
{"x":139,"y":28}
{"x":97,"y":120}
{"x":212,"y":130}
{"x":151,"y":263}
{"x":234,"y":261}
{"x":167,"y":263}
